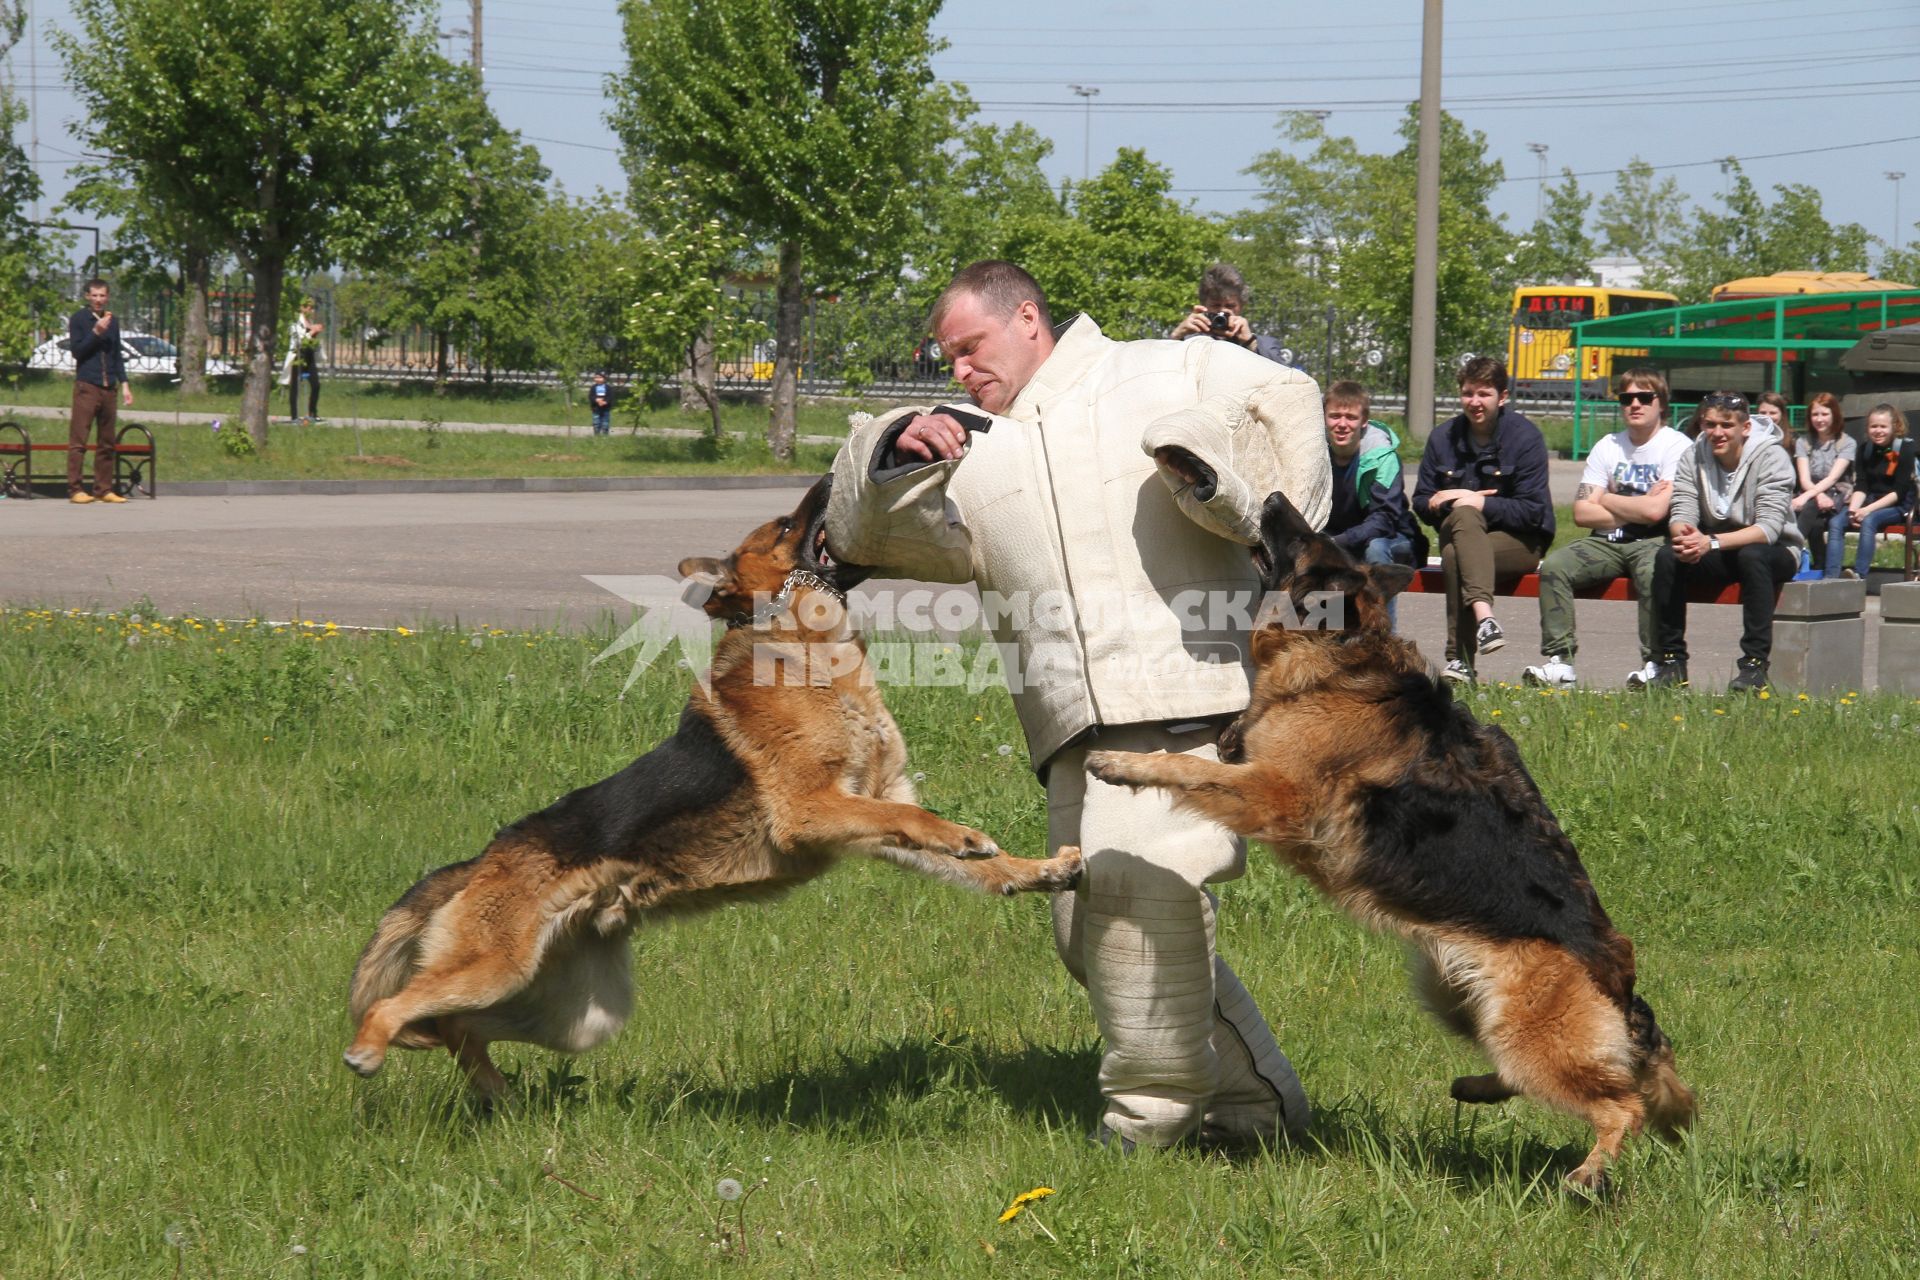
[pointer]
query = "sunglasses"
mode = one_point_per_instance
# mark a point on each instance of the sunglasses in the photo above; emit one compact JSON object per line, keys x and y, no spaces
{"x":1637,"y":397}
{"x":1724,"y":400}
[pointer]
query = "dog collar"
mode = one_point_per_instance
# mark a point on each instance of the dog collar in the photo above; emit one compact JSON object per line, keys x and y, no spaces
{"x":808,"y":578}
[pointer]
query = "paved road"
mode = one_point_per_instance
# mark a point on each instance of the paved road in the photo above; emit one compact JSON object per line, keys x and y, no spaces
{"x":522,"y":560}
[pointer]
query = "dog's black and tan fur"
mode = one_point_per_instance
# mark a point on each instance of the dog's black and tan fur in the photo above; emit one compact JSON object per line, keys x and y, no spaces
{"x":1360,"y":770}
{"x":764,"y":784}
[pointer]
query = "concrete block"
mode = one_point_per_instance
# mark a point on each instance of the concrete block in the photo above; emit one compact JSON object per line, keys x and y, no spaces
{"x":1899,"y":666}
{"x":1820,"y":636}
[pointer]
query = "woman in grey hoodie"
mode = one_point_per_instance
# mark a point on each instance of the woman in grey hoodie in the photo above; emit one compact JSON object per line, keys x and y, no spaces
{"x":1731,"y":521}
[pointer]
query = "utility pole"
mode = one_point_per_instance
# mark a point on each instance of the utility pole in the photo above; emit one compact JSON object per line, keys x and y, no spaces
{"x":479,"y":60}
{"x":1426,"y":231}
{"x":1087,"y":94}
{"x":1894,"y":176}
{"x":33,"y":97}
{"x":1539,"y":149}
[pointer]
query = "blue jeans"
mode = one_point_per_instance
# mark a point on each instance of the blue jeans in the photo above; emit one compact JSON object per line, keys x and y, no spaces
{"x":602,"y":421}
{"x":1870,"y":526}
{"x":1394,"y":550}
{"x":1826,"y":535}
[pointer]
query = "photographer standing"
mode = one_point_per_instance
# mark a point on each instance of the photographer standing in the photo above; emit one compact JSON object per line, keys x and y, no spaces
{"x":1223,"y":295}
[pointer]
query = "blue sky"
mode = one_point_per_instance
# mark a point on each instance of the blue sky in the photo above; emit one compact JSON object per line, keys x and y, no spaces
{"x":1802,"y":93}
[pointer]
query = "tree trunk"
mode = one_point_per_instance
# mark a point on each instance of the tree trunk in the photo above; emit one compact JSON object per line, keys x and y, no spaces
{"x":697,"y":379}
{"x":441,"y":342}
{"x":262,"y":343}
{"x":790,"y":315}
{"x":196,"y":275}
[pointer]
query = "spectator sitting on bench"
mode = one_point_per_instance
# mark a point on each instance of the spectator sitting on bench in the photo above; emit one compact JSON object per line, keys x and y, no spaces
{"x":1884,"y":493}
{"x":1823,"y":460}
{"x":1729,"y":522}
{"x":1483,"y":486}
{"x":1370,"y":519}
{"x":1623,"y":497}
{"x":1772,"y":406}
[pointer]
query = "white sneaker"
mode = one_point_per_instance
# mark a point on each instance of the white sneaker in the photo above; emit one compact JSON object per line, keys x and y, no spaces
{"x":1551,"y":674}
{"x":1643,"y":677}
{"x":1458,"y":672}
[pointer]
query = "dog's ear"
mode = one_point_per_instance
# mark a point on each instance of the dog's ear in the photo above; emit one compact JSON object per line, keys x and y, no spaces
{"x":1390,"y":579}
{"x":703,"y":569}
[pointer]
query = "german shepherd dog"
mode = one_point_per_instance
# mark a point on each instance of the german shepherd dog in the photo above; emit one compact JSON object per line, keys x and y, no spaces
{"x":764,"y":784}
{"x":1356,"y":765}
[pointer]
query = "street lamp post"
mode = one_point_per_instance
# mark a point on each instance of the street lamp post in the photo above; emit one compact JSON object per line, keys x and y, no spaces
{"x":1087,"y":94}
{"x":1539,"y":149}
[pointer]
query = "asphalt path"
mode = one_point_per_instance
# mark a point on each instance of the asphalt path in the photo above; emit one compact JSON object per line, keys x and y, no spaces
{"x":523,"y":561}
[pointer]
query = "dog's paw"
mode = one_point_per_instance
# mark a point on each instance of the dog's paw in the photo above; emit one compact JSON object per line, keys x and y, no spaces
{"x":1232,"y":747}
{"x":964,"y":843}
{"x":1117,"y":768}
{"x":365,"y":1061}
{"x":1063,"y":869}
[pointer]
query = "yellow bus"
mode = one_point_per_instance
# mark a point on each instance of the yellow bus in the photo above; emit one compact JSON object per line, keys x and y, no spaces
{"x":1539,"y":365}
{"x":1787,"y":283}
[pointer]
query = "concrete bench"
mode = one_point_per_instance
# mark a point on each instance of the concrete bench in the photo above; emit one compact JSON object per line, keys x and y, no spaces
{"x":1819,"y":628}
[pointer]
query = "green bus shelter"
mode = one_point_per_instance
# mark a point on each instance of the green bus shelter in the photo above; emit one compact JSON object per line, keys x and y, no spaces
{"x":1790,"y":344}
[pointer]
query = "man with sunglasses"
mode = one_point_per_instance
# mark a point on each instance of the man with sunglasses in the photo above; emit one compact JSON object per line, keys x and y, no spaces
{"x":1730,"y":521}
{"x":1623,"y":497}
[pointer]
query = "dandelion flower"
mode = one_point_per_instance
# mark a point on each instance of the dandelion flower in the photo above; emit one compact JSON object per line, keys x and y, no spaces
{"x":1021,"y":1201}
{"x":729,"y":1189}
{"x":1004,"y":749}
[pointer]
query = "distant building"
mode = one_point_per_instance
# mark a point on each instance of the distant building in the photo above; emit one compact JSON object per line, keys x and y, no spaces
{"x":1618,"y":273}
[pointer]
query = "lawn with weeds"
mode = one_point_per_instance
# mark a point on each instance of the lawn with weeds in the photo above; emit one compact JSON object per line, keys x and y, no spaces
{"x":205,"y":819}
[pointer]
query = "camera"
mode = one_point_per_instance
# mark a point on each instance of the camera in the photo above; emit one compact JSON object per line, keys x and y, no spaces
{"x":1218,"y":321}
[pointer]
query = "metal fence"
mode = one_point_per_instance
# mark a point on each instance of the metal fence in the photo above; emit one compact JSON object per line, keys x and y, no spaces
{"x":859,"y":345}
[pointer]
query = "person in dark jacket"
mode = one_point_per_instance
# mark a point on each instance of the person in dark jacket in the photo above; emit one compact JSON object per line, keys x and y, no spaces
{"x":93,"y":336}
{"x":1370,"y":519}
{"x":1223,"y":295}
{"x":1483,"y":487}
{"x":1884,"y":486}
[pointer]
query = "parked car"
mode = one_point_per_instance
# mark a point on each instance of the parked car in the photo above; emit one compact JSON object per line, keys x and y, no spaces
{"x":144,"y":353}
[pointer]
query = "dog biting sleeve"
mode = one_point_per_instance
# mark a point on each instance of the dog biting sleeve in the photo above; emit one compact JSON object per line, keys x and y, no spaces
{"x":893,"y":517}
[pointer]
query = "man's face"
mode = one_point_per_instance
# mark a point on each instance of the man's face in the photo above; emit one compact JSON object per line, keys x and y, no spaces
{"x":1481,"y":402}
{"x":994,"y":357}
{"x":1726,"y":434}
{"x":97,"y":299}
{"x":1345,"y":422}
{"x":1639,"y":407}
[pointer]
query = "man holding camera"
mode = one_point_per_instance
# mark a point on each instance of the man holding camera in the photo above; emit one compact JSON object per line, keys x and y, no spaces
{"x":1223,"y":295}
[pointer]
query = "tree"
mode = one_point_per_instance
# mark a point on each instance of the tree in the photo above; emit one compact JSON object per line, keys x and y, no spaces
{"x":1558,"y":247}
{"x":1639,"y":217}
{"x":290,"y":129}
{"x":1750,"y":235}
{"x":479,"y":268}
{"x":1130,"y":254}
{"x":584,"y":314}
{"x":26,"y":256}
{"x":1312,"y":207}
{"x":677,"y":279}
{"x":991,"y":182}
{"x":804,"y":123}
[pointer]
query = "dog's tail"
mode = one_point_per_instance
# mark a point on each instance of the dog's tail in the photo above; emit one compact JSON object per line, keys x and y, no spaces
{"x":1670,"y":1104}
{"x":392,"y":955}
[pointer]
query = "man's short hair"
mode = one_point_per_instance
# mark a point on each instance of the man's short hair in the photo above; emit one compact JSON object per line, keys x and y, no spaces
{"x":1349,"y":392}
{"x":1651,"y":380}
{"x":96,"y":283}
{"x":1486,"y":371}
{"x":1001,"y":285}
{"x":1222,"y":282}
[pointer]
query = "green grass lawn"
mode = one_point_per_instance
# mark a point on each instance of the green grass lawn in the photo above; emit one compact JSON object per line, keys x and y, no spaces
{"x":344,"y":399}
{"x":206,"y":819}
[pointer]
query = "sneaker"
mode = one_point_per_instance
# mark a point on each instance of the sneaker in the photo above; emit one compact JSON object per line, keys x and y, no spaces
{"x":1669,"y":673}
{"x":1846,"y":575}
{"x":111,"y":497}
{"x":1488,"y":636}
{"x":1551,"y":674}
{"x":1458,"y":672}
{"x":81,"y":497}
{"x":1749,"y":676}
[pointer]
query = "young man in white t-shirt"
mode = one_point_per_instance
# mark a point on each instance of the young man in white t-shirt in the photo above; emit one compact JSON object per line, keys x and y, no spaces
{"x":1623,"y":497}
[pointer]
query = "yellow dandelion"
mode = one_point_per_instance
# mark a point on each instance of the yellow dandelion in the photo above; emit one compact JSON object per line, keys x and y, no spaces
{"x":1719,"y":711}
{"x":1623,"y":724}
{"x":1679,"y":719}
{"x":1496,"y":711}
{"x":1803,"y":697}
{"x":402,"y":631}
{"x":1021,"y":1201}
{"x":1766,"y":695}
{"x":1794,"y":712}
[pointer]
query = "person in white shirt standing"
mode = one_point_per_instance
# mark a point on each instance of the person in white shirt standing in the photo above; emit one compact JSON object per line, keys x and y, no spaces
{"x":1623,"y":498}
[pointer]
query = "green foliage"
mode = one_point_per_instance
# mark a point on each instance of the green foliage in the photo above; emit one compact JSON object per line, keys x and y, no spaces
{"x":585,"y":303}
{"x":294,"y":132}
{"x":1558,"y":247}
{"x":992,"y":183}
{"x":803,"y":124}
{"x":26,"y":253}
{"x":1129,"y":255}
{"x":1749,"y":235}
{"x":235,"y":440}
{"x":1312,"y":205}
{"x":1640,"y":216}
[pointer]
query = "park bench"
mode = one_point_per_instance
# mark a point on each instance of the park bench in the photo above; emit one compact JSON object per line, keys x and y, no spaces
{"x":1819,"y":628}
{"x":135,"y":461}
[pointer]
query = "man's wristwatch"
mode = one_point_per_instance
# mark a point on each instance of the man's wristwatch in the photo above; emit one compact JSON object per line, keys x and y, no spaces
{"x":1713,"y":543}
